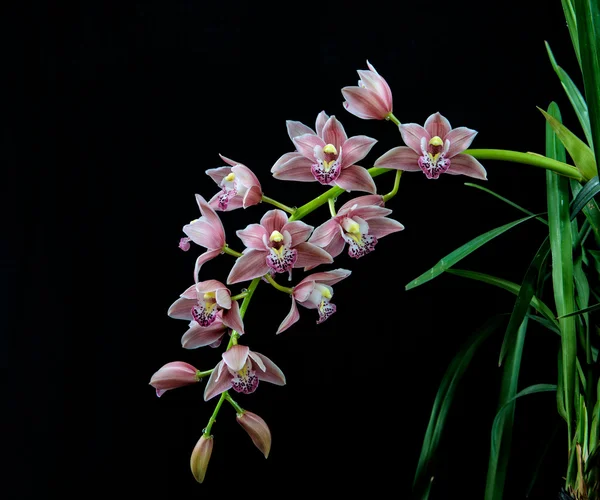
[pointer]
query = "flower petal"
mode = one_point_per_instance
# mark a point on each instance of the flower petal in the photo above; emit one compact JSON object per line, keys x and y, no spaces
{"x":291,"y":317}
{"x":182,"y":309}
{"x":245,"y":176}
{"x":202,"y":259}
{"x":233,"y":204}
{"x":334,"y":133}
{"x":399,"y":158}
{"x":412,"y":134}
{"x":250,"y":265}
{"x":364,"y":103}
{"x":209,"y":286}
{"x":213,"y":219}
{"x":355,"y":149}
{"x":293,"y":167}
{"x":320,"y":122}
{"x":467,"y":165}
{"x":204,"y":234}
{"x":252,"y":236}
{"x":382,"y":226}
{"x":362,"y":201}
{"x":299,"y":231}
{"x":228,"y":161}
{"x":223,"y":298}
{"x":324,"y":233}
{"x":311,"y":255}
{"x":367,"y":213}
{"x":273,"y":220}
{"x":460,"y":139}
{"x":217,"y":174}
{"x":296,"y":128}
{"x":436,"y":124}
{"x":200,"y":336}
{"x":305,"y":144}
{"x":217,"y":385}
{"x":236,"y":357}
{"x":356,"y":178}
{"x":190,"y":293}
{"x":233,"y":319}
{"x":272,"y":374}
{"x":326,"y":277}
{"x":252,"y":197}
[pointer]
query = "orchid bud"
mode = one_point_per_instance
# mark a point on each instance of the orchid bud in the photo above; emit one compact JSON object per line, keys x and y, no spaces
{"x":201,"y":456}
{"x":257,"y":429}
{"x":184,"y":244}
{"x":173,"y":375}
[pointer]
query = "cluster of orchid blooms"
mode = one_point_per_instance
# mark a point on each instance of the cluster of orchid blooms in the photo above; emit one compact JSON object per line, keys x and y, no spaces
{"x":279,"y":242}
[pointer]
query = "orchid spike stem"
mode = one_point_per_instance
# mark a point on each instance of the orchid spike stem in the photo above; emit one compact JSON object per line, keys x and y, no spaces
{"x":200,"y":375}
{"x":527,"y":158}
{"x":283,"y":207}
{"x":238,"y":409}
{"x":229,"y":251}
{"x":249,"y":292}
{"x":331,"y":202}
{"x":285,"y":289}
{"x":393,"y":119}
{"x":394,"y":190}
{"x":213,"y":417}
{"x":239,"y":296}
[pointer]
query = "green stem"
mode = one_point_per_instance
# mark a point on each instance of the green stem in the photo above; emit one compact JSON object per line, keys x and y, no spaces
{"x":334,"y":192}
{"x":229,"y":251}
{"x":234,"y":335}
{"x":394,"y":191}
{"x":331,"y":202}
{"x":527,"y":158}
{"x":289,"y":210}
{"x":213,"y":417}
{"x":285,"y":289}
{"x":239,"y":296}
{"x":200,"y":375}
{"x":393,"y":119}
{"x":238,"y":409}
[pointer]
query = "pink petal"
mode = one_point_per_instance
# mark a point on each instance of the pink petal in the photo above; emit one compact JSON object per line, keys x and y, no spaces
{"x":467,"y":165}
{"x":223,"y":298}
{"x":200,"y":336}
{"x":213,"y":219}
{"x":233,"y":319}
{"x":217,"y":385}
{"x":291,"y":317}
{"x":295,"y":129}
{"x":217,"y":174}
{"x":326,"y":277}
{"x":305,"y":144}
{"x":412,"y":134}
{"x":203,"y":234}
{"x":293,"y":167}
{"x":436,"y":124}
{"x":299,"y":231}
{"x":399,"y":158}
{"x":311,"y":255}
{"x":245,"y":176}
{"x":303,"y":289}
{"x":252,"y":236}
{"x":228,"y":161}
{"x":326,"y":232}
{"x":190,"y":293}
{"x":334,"y":133}
{"x":202,"y":259}
{"x":272,"y":373}
{"x":368,"y":213}
{"x":274,"y":220}
{"x":209,"y":286}
{"x":382,"y":226}
{"x":181,"y":309}
{"x":363,"y":201}
{"x":233,"y":204}
{"x":375,"y":82}
{"x":364,"y":103}
{"x":320,"y":122}
{"x":355,"y":178}
{"x":250,"y":265}
{"x":333,"y":248}
{"x":355,"y":149}
{"x":460,"y":139}
{"x":236,"y":357}
{"x":252,"y":197}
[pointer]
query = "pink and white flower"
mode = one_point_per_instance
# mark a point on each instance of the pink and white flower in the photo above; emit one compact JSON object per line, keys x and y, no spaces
{"x":210,"y":310}
{"x":327,"y":156}
{"x":372,"y":99}
{"x":241,"y":370}
{"x":314,"y":292}
{"x":173,"y":375}
{"x":275,"y":246}
{"x":207,"y":231}
{"x":239,"y":186}
{"x":359,"y":223}
{"x":434,"y":149}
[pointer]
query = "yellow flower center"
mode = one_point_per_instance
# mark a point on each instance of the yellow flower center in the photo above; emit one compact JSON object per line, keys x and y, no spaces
{"x":230,"y":177}
{"x":330,"y":149}
{"x":276,"y":236}
{"x":436,"y":141}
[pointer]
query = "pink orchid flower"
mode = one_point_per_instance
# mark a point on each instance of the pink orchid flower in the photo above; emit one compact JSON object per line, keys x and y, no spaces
{"x":208,"y":232}
{"x":241,"y":369}
{"x":360,"y":222}
{"x":173,"y":375}
{"x":372,"y":99}
{"x":314,"y":292}
{"x":239,"y":186}
{"x":327,"y":156}
{"x":210,"y":310}
{"x":275,"y":246}
{"x":434,"y":149}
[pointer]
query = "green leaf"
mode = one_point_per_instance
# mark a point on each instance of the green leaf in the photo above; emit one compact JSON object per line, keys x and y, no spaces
{"x":577,"y":100}
{"x":580,"y":152}
{"x":569,"y":11}
{"x":460,"y":253}
{"x":584,"y":196}
{"x":442,"y":403}
{"x":589,"y":309}
{"x":587,"y":13}
{"x":502,"y":433}
{"x":505,"y":200}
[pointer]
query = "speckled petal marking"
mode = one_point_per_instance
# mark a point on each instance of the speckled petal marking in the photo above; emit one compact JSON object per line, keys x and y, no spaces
{"x":246,"y":380}
{"x":205,"y":316}
{"x":326,"y":174}
{"x":282,"y":259}
{"x":325,"y":309}
{"x":360,"y":248}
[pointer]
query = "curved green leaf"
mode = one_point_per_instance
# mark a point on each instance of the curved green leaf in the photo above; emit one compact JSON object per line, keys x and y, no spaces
{"x":587,"y":193}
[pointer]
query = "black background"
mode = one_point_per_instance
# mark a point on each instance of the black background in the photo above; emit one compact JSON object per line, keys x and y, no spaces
{"x":113,"y":112}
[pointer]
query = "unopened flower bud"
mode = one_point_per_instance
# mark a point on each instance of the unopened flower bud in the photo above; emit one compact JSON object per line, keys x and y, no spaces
{"x":184,"y":244}
{"x":257,"y":429}
{"x":201,"y":457}
{"x":173,"y":375}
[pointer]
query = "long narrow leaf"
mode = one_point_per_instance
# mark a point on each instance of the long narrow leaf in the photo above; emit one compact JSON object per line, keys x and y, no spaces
{"x":460,"y":253}
{"x":589,"y":309}
{"x":587,"y":193}
{"x":569,"y":11}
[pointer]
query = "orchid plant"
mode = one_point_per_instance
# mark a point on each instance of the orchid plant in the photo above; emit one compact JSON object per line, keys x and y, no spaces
{"x":280,"y":250}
